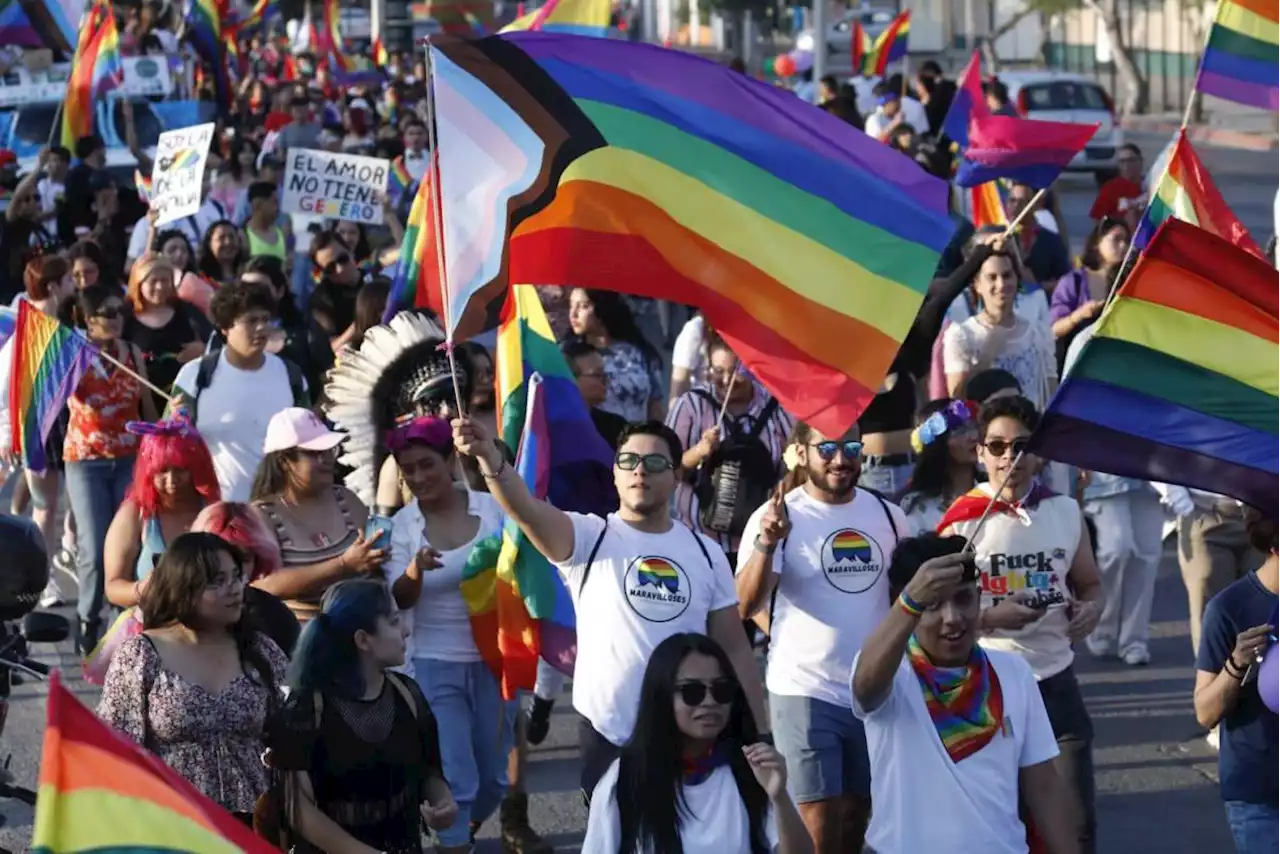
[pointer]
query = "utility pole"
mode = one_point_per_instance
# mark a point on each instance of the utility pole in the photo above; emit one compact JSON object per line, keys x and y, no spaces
{"x":819,"y":43}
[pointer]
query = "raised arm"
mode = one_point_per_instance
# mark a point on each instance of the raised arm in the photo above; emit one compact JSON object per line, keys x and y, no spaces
{"x":548,"y":528}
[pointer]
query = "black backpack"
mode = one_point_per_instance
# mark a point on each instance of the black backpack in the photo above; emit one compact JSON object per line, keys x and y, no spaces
{"x":738,"y":477}
{"x":209,"y":363}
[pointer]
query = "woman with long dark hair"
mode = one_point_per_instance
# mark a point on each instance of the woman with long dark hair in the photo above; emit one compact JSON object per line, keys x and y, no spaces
{"x":196,"y":688}
{"x":222,"y":253}
{"x":694,"y":778}
{"x":357,"y":742}
{"x":946,"y":467}
{"x":634,"y":370}
{"x":1081,"y":294}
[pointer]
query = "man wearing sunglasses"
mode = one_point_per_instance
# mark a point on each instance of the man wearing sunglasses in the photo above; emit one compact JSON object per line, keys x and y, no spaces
{"x":1041,"y":591}
{"x":636,"y":578}
{"x":814,"y":556}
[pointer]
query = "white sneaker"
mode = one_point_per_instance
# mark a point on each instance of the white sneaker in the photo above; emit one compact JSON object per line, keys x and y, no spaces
{"x":1212,"y":739}
{"x":1136,"y":655}
{"x":1100,"y":647}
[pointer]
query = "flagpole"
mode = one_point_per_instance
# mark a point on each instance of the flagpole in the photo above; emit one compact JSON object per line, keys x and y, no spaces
{"x":56,"y":127}
{"x":122,"y":366}
{"x":1022,"y":214}
{"x":437,"y":217}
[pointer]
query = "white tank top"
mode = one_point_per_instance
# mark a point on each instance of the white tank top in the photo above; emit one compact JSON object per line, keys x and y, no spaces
{"x":1031,"y":551}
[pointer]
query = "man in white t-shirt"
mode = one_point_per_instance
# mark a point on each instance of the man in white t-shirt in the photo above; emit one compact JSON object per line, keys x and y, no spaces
{"x":233,"y":392}
{"x":816,"y":558}
{"x":958,"y":736}
{"x":636,"y":578}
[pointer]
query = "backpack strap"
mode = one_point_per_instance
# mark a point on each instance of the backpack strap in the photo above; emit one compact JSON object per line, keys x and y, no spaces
{"x":297,"y":385}
{"x":404,"y":692}
{"x":702,"y":547}
{"x":884,"y":505}
{"x":766,"y":415}
{"x":204,"y":377}
{"x":591,"y":558}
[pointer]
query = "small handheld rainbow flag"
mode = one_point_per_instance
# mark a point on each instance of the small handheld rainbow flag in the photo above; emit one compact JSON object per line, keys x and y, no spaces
{"x":101,"y":792}
{"x":860,"y":47}
{"x":48,"y":361}
{"x":890,"y":45}
{"x":1239,"y":61}
{"x":987,"y":205}
{"x":1187,"y":192}
{"x":399,"y":181}
{"x":1179,"y":381}
{"x":143,"y":185}
{"x":575,"y":17}
{"x":95,"y":71}
{"x":417,"y":278}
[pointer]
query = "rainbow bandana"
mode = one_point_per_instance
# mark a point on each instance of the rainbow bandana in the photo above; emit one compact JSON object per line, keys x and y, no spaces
{"x":965,"y":703}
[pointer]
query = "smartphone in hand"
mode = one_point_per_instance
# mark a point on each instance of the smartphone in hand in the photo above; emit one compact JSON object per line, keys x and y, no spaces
{"x":375,"y":524}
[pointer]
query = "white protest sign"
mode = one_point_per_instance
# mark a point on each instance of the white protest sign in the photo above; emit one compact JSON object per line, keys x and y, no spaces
{"x":336,"y":186}
{"x":177,"y":181}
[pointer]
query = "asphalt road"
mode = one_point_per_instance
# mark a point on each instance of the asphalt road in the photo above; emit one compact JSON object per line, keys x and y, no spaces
{"x":1156,"y":777}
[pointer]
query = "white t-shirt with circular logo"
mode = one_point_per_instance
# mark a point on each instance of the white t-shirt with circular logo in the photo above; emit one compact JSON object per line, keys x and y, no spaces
{"x":832,"y":590}
{"x":642,"y":589}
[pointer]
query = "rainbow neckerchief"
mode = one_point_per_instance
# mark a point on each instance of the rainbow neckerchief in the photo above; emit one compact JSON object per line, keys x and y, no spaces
{"x":965,"y":703}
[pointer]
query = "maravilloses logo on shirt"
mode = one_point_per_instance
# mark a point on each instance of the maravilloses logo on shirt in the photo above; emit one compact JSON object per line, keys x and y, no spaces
{"x":851,"y":561}
{"x":657,"y":588}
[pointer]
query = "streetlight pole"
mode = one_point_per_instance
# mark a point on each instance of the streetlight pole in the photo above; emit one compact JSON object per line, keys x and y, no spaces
{"x":819,"y":43}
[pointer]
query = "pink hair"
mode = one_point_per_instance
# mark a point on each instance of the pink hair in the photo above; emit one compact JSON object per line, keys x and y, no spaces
{"x":158,"y":453}
{"x":239,"y":525}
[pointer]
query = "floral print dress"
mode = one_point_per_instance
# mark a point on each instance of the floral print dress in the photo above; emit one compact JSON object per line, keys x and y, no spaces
{"x":633,"y":381}
{"x":215,"y":741}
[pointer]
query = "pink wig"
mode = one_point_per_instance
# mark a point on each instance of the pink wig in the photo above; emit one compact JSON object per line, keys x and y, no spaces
{"x":241,"y":526}
{"x":164,"y":448}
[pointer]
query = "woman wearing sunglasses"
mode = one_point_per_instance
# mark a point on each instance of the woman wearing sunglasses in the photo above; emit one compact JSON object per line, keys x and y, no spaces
{"x":812,"y":563}
{"x":99,"y":449}
{"x":636,"y":578}
{"x":694,"y":776}
{"x":1041,"y":591}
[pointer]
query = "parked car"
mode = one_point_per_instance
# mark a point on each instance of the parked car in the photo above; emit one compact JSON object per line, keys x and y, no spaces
{"x":840,"y":31}
{"x":1060,"y":96}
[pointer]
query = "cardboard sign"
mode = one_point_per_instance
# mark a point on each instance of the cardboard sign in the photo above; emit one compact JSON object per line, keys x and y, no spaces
{"x":177,"y":182}
{"x":335,"y":186}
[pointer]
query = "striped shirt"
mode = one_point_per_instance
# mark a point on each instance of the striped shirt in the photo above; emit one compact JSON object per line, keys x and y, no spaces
{"x":692,"y":414}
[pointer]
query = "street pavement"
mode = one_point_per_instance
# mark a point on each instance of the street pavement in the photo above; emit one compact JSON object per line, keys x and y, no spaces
{"x":1156,"y":776}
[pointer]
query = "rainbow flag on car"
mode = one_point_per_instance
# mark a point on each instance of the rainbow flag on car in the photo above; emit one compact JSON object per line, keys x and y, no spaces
{"x":99,"y":792}
{"x":1239,"y":61}
{"x":630,"y":167}
{"x":1181,"y":380}
{"x":48,"y":360}
{"x":95,"y":71}
{"x":520,"y":608}
{"x":1186,"y":191}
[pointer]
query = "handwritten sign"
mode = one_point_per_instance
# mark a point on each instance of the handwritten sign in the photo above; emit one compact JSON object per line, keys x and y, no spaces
{"x":335,"y":186}
{"x":177,"y":182}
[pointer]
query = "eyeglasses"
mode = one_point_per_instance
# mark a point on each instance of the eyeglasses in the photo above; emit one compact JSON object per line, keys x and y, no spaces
{"x":227,"y":582}
{"x":999,"y":447}
{"x":256,"y":322}
{"x":653,"y":463}
{"x":827,"y":450}
{"x":110,"y":312}
{"x":693,"y":693}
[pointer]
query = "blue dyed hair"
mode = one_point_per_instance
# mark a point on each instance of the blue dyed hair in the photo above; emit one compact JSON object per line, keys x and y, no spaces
{"x":326,"y":658}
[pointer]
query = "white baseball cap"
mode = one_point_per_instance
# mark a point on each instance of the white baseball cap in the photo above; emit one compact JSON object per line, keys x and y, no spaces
{"x":296,"y":427}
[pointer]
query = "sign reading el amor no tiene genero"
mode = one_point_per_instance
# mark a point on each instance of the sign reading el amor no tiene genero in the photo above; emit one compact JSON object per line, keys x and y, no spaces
{"x":336,"y":186}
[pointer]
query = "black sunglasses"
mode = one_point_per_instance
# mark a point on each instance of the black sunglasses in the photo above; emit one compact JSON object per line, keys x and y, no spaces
{"x":693,"y":693}
{"x":827,"y":450}
{"x":998,"y":447}
{"x":341,"y":261}
{"x":653,"y":463}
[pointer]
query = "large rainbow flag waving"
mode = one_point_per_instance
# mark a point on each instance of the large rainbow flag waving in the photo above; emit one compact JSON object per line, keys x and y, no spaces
{"x":1239,"y":61}
{"x":625,"y":166}
{"x":48,"y":359}
{"x":96,"y":69}
{"x":520,"y":609}
{"x":1180,"y":381}
{"x":101,"y":793}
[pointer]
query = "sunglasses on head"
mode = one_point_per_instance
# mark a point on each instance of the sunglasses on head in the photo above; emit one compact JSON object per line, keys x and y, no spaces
{"x":999,"y":447}
{"x":653,"y":463}
{"x":693,"y":693}
{"x":827,"y":450}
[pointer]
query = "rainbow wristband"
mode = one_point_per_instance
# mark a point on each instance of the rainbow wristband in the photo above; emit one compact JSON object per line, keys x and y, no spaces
{"x":909,"y":605}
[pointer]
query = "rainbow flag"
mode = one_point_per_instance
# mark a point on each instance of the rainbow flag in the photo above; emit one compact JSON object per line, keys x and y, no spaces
{"x":262,"y":11}
{"x":417,"y":278}
{"x":100,"y":792}
{"x":1239,"y":61}
{"x":575,"y":17}
{"x":630,"y":167}
{"x":520,"y":609}
{"x":142,"y":184}
{"x":987,"y":205}
{"x":1186,"y":191}
{"x":331,"y":35}
{"x":204,"y":31}
{"x":860,"y":48}
{"x":1024,"y":150}
{"x":890,"y":45}
{"x":1180,"y":381}
{"x":47,"y":363}
{"x":399,"y":181}
{"x":381,"y":57}
{"x":95,"y":71}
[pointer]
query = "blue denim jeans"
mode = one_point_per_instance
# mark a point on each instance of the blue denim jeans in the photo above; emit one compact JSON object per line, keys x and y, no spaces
{"x":96,"y":489}
{"x":1255,"y":827}
{"x":477,"y":728}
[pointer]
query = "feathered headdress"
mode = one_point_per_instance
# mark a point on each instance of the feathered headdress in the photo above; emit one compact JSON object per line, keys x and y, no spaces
{"x":400,"y":370}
